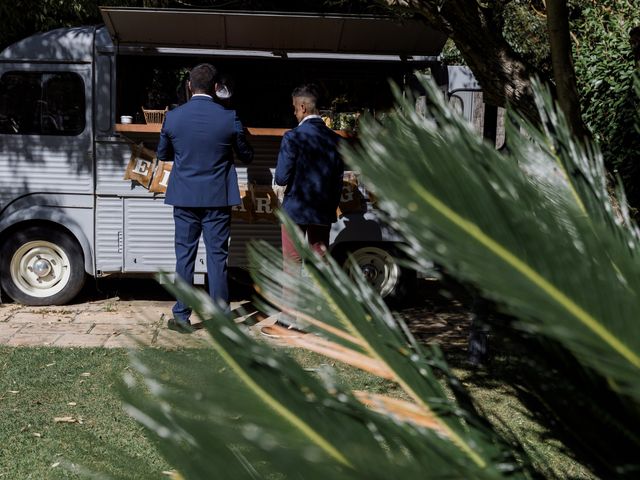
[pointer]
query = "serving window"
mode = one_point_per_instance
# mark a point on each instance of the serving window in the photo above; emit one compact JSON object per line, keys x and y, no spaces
{"x":262,"y":87}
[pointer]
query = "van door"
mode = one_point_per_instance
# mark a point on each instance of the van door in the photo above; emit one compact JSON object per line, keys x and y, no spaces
{"x":46,"y":132}
{"x":46,"y":180}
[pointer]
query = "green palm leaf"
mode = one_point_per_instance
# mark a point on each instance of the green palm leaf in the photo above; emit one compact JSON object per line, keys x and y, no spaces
{"x":556,"y":261}
{"x":533,"y":228}
{"x":358,"y":441}
{"x":325,"y":293}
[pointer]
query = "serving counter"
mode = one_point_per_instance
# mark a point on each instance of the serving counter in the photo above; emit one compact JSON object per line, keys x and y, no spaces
{"x":141,"y":128}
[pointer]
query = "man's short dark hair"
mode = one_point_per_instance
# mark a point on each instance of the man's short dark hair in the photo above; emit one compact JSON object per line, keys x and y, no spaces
{"x":307,"y":91}
{"x":203,"y":78}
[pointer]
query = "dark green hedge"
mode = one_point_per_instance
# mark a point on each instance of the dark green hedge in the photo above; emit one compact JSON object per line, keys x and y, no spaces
{"x":605,"y":68}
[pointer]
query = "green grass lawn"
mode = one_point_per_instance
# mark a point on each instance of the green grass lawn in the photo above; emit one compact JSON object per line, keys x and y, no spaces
{"x":495,"y":398}
{"x":498,"y":400}
{"x":39,"y":385}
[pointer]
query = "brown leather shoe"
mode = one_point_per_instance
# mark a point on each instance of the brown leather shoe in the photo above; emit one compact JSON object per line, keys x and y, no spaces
{"x":280,"y":330}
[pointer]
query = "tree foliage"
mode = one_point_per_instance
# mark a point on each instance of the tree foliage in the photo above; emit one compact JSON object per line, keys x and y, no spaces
{"x":22,"y":18}
{"x":605,"y":68}
{"x":505,"y":42}
{"x":25,"y":17}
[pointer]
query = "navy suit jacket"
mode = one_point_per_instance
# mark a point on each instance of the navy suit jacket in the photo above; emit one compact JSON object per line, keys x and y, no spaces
{"x":311,"y":167}
{"x":200,"y":138}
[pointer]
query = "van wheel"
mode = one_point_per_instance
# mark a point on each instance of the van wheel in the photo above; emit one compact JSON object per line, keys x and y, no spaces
{"x":41,"y":266}
{"x":382,"y":271}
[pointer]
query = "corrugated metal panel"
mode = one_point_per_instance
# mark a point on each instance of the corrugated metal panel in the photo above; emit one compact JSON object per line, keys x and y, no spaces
{"x":49,"y":163}
{"x":242,"y":233}
{"x":149,"y":238}
{"x":148,"y":223}
{"x":38,"y":169}
{"x":261,"y":172}
{"x":148,"y":235}
{"x":112,"y":159}
{"x":109,"y":234}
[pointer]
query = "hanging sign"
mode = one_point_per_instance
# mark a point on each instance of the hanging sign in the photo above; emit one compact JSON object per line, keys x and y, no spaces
{"x":258,"y":202}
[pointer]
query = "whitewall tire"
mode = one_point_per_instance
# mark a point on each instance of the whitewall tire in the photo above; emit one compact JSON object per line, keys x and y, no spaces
{"x":41,"y":266}
{"x":378,"y":267}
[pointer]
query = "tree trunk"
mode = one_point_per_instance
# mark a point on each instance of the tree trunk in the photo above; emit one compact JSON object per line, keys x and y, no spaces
{"x":634,"y":40}
{"x":476,"y":29}
{"x":563,"y":71}
{"x":477,"y":32}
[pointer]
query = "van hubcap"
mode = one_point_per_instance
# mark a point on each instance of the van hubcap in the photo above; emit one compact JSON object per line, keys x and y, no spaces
{"x":40,"y":268}
{"x":370,"y":272}
{"x":377,"y":267}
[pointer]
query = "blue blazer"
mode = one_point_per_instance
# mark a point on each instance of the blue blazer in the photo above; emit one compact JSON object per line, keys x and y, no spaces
{"x":311,"y":167}
{"x":200,"y":138}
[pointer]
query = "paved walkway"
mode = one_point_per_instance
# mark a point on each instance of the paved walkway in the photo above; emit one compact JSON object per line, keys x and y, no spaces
{"x":103,"y":323}
{"x":130,"y":312}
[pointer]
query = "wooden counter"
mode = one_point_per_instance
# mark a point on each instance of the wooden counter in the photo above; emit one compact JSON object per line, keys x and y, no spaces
{"x":140,"y":128}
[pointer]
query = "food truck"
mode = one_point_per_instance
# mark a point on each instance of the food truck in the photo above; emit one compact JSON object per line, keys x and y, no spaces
{"x":81,"y":194}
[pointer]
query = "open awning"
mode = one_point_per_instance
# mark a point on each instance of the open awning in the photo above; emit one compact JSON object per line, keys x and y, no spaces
{"x":276,"y":33}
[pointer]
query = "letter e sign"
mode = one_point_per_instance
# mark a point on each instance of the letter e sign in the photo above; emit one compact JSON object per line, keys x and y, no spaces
{"x":140,"y":167}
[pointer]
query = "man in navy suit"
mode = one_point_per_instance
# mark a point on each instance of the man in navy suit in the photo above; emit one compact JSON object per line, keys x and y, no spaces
{"x":200,"y":138}
{"x":311,"y":167}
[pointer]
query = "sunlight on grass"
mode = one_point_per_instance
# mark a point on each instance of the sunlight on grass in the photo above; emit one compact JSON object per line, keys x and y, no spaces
{"x":76,"y":387}
{"x":40,"y":385}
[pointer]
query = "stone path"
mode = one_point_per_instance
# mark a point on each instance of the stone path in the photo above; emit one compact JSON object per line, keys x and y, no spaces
{"x":128,"y":313}
{"x":104,"y":323}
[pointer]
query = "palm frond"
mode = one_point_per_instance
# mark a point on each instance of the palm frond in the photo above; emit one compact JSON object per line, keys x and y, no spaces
{"x":324,"y":293}
{"x":333,"y":350}
{"x":328,"y":430}
{"x":549,"y":250}
{"x":400,"y":409}
{"x":478,"y":213}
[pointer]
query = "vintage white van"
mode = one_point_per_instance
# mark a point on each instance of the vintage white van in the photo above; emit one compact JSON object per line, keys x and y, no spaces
{"x":65,"y":211}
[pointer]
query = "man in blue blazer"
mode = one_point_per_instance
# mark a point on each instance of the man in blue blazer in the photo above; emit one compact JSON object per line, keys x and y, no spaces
{"x":200,"y":138}
{"x":311,"y":167}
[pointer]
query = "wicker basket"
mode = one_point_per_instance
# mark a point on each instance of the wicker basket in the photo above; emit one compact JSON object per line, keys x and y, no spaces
{"x":154,"y":116}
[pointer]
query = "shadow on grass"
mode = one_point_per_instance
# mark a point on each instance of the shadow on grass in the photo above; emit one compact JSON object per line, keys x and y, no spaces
{"x":518,"y":389}
{"x":532,"y":390}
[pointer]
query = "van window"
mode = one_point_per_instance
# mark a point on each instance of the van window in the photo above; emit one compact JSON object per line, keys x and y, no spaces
{"x":42,"y":103}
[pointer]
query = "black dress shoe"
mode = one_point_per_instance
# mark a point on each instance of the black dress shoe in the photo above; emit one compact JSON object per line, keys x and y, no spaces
{"x":178,"y":326}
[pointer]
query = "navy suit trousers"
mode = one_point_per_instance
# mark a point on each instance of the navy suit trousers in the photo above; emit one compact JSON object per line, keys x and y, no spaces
{"x":214,"y":223}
